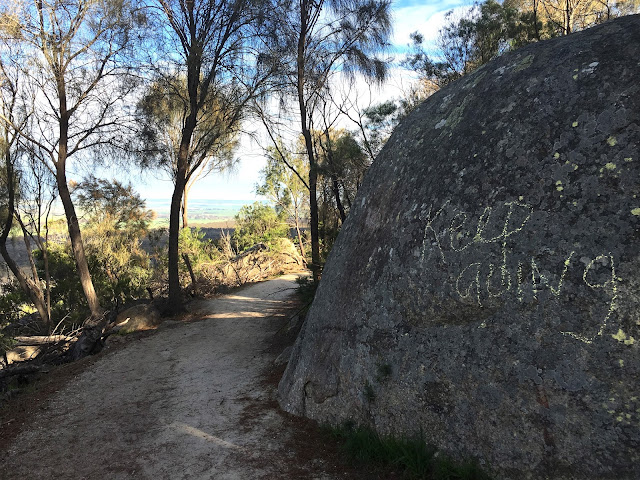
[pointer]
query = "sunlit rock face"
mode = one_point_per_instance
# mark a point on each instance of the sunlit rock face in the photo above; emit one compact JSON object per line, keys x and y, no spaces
{"x":485,"y":289}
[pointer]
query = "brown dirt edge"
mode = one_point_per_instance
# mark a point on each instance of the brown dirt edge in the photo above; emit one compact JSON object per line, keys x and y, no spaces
{"x":310,"y":444}
{"x":313,"y":445}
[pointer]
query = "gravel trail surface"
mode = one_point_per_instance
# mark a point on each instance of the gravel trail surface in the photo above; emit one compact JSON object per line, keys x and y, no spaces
{"x":188,"y":402}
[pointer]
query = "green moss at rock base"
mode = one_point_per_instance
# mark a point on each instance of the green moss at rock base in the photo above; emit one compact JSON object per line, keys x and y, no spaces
{"x":411,"y":456}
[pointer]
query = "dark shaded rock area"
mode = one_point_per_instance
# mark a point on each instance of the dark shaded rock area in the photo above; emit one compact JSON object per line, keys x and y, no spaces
{"x":485,"y":289}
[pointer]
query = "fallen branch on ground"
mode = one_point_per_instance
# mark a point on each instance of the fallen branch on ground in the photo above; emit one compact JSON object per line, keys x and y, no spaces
{"x":42,"y":340}
{"x":21,"y":370}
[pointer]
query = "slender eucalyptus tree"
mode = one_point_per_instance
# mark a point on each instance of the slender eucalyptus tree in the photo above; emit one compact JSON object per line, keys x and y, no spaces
{"x":210,"y":48}
{"x":163,"y":110}
{"x":14,"y":107}
{"x":284,"y":188}
{"x":76,"y":59}
{"x":314,"y":40}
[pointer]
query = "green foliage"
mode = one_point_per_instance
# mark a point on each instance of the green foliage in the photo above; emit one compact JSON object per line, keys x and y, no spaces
{"x":9,"y":312}
{"x":163,"y":108}
{"x":113,"y":203}
{"x":258,"y":223}
{"x":117,"y":221}
{"x":116,"y":279}
{"x":310,"y":43}
{"x":284,"y":184}
{"x":412,"y":455}
{"x":284,"y":187}
{"x":192,"y":242}
{"x":6,"y":342}
{"x":67,"y":296}
{"x":349,"y":162}
{"x":12,"y":302}
{"x":491,"y":28}
{"x":381,"y":119}
{"x":343,"y":164}
{"x":465,"y":43}
{"x":9,"y":22}
{"x":57,"y":227}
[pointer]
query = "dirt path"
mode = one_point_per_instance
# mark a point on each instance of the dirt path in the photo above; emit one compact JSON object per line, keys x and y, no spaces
{"x":189,"y":402}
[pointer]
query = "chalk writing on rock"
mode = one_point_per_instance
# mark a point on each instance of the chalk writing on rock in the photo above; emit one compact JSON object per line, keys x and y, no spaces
{"x":452,"y":236}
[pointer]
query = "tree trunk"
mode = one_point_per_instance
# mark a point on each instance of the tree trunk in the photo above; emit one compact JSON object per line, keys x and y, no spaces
{"x":77,"y":245}
{"x":43,"y":304}
{"x":297,"y":220}
{"x":567,"y":12}
{"x":325,"y":210}
{"x":346,"y":196}
{"x":313,"y":205}
{"x":334,"y":179}
{"x":45,"y":258}
{"x":194,"y":286}
{"x":90,"y":341}
{"x":26,"y":284}
{"x":175,"y":299}
{"x":30,"y":287}
{"x":185,"y":221}
{"x":73,"y":225}
{"x":313,"y":168}
{"x":41,"y":340}
{"x":336,"y":194}
{"x":535,"y":19}
{"x":194,"y":89}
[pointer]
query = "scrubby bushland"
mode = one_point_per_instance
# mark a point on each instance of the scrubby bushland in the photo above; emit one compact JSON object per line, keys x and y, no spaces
{"x":118,"y":279}
{"x":258,"y":223}
{"x":258,"y":249}
{"x":115,"y":223}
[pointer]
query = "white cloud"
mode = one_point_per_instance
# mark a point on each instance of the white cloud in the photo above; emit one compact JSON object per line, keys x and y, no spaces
{"x":424,"y":18}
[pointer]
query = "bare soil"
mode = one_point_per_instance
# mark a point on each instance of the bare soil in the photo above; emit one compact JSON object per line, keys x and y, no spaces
{"x":193,"y":400}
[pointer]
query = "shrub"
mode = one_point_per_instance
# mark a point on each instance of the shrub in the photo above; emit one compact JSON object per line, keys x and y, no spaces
{"x":200,"y":251}
{"x":115,"y":223}
{"x":192,"y":241}
{"x":258,"y":223}
{"x":119,"y":274}
{"x":12,"y":302}
{"x":67,"y":297}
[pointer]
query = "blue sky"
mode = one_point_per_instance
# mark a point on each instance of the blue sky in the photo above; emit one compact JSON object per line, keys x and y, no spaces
{"x":409,"y":16}
{"x":424,"y":17}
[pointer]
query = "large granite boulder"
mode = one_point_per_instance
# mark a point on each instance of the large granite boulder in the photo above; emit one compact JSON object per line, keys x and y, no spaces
{"x":485,"y":289}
